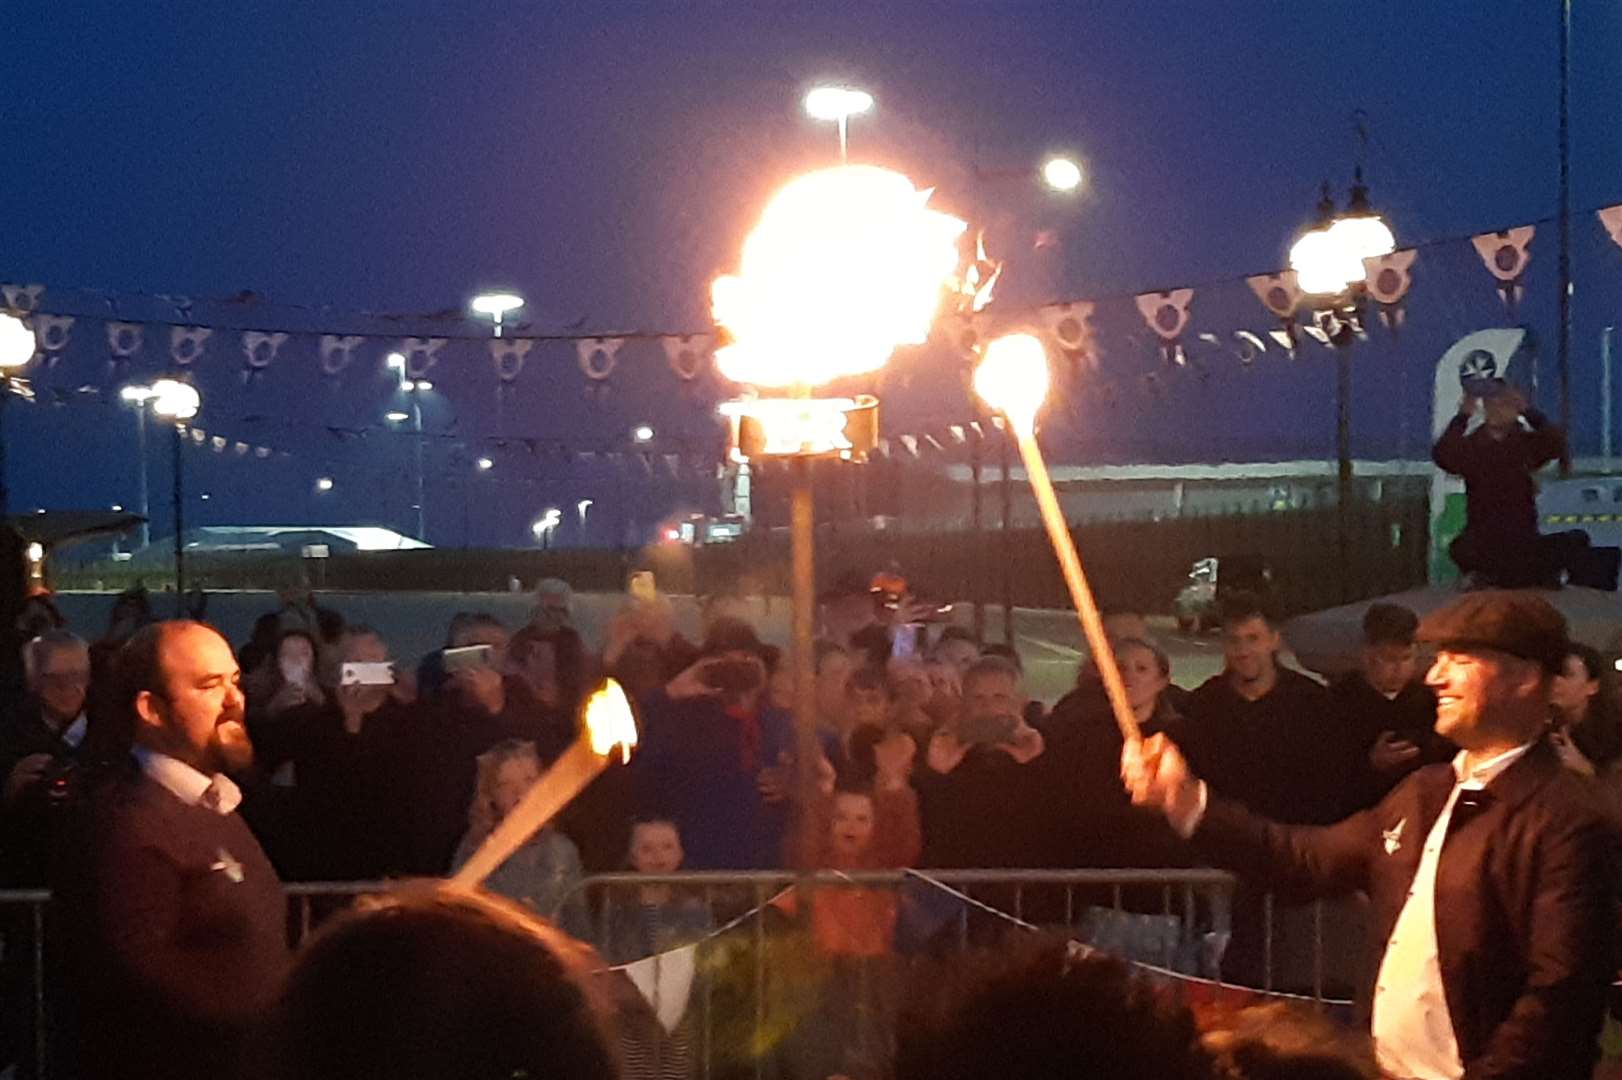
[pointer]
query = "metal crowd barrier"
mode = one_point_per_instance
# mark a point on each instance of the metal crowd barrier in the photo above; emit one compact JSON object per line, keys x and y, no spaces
{"x":1197,"y":901}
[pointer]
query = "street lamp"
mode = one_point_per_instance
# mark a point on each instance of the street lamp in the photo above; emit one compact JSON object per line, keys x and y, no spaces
{"x":176,"y":402}
{"x":642,"y":433}
{"x":1062,"y":174}
{"x":1013,"y":378}
{"x":544,"y":526}
{"x":17,"y":348}
{"x":495,"y":305}
{"x":580,"y":508}
{"x":415,"y":387}
{"x":484,"y":464}
{"x":838,"y":104}
{"x":844,"y":265}
{"x":1328,"y":260}
{"x":323,"y":484}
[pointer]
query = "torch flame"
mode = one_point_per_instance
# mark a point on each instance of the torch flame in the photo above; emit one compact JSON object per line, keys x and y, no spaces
{"x":1013,"y":379}
{"x":610,"y":722}
{"x":980,"y":279}
{"x":845,"y":265}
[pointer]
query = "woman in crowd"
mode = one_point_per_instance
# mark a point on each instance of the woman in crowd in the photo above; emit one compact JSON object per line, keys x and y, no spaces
{"x":1585,"y":726}
{"x":544,"y":874}
{"x":287,"y":676}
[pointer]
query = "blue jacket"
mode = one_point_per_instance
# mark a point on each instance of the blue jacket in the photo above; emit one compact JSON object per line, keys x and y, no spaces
{"x":695,"y":765}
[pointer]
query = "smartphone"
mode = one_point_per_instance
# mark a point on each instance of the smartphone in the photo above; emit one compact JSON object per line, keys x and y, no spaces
{"x":641,"y":586}
{"x":367,"y":673}
{"x":987,"y":729}
{"x":906,"y":641}
{"x":467,"y":656}
{"x":733,"y":676}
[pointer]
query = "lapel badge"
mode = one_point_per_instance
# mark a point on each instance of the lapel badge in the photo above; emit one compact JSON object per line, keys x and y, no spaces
{"x":1393,"y":837}
{"x":228,"y":866}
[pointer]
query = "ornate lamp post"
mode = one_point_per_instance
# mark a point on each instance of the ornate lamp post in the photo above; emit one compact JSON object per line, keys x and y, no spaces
{"x":1328,"y":262}
{"x":845,"y":265}
{"x":17,"y":348}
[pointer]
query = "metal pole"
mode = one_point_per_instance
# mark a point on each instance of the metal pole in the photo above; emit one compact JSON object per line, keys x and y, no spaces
{"x":1343,"y":458}
{"x":143,"y":500}
{"x":977,"y":587}
{"x":180,"y":527}
{"x":1565,"y":223}
{"x":1605,"y":395}
{"x":416,"y":423}
{"x":802,"y":534}
{"x":5,"y":489}
{"x":1007,"y":542}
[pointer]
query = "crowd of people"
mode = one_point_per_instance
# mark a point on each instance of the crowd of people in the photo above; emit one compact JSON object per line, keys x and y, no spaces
{"x":311,"y":753}
{"x":1465,"y":777}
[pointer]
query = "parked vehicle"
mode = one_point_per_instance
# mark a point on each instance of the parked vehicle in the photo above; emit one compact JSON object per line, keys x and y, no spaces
{"x":1198,"y":604}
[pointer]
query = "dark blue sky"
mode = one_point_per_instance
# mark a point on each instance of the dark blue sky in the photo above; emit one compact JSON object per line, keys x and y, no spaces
{"x":606,"y":160}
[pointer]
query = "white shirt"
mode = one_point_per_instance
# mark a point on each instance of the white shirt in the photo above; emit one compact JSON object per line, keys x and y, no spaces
{"x":217,"y":793}
{"x":1413,"y":1030}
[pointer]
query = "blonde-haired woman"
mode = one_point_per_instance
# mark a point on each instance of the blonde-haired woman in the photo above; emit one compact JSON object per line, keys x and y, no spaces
{"x":544,"y":874}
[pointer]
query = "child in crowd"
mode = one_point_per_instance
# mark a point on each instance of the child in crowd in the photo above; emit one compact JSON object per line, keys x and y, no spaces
{"x":857,"y":828}
{"x":862,"y":827}
{"x":657,"y":917}
{"x":544,"y":874}
{"x":654,"y":919}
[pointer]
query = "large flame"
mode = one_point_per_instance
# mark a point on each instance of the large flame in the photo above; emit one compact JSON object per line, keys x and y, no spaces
{"x":1013,"y":379}
{"x":845,"y":265}
{"x":609,"y":721}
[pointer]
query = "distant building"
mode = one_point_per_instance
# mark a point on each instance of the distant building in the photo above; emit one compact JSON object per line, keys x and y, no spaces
{"x":286,"y":539}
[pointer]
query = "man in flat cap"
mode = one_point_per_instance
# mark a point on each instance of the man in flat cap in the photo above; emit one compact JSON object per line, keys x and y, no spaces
{"x":1490,"y":878}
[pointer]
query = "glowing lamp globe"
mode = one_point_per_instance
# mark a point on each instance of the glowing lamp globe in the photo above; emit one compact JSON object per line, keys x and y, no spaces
{"x":845,"y":265}
{"x":16,"y":342}
{"x":175,"y":400}
{"x":1323,"y":264}
{"x":837,"y":102}
{"x":1061,"y":174}
{"x":1013,"y":378}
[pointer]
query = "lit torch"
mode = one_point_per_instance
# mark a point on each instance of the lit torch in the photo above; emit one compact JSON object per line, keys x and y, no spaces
{"x":1013,"y":379}
{"x":608,"y":726}
{"x":845,"y":265}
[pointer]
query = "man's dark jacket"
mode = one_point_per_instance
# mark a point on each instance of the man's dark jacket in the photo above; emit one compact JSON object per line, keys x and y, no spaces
{"x":1499,"y":490}
{"x":175,"y":926}
{"x":1524,"y":901}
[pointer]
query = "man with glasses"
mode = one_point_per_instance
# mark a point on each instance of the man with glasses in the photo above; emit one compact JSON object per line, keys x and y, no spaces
{"x":39,"y":746}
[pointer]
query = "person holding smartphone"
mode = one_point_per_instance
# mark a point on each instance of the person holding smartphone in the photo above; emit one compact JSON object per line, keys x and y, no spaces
{"x":979,"y":790}
{"x":348,"y":778}
{"x":716,"y":754}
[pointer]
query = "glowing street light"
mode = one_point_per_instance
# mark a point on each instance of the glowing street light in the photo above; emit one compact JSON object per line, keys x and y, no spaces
{"x":1329,"y":266}
{"x":1013,"y":378}
{"x":17,"y":344}
{"x":496,"y":305}
{"x":838,"y":104}
{"x":17,"y":348}
{"x":544,"y":526}
{"x":1062,"y":174}
{"x":395,"y":416}
{"x":580,"y":508}
{"x":176,"y":402}
{"x":484,"y":464}
{"x":324,"y":484}
{"x":642,"y":433}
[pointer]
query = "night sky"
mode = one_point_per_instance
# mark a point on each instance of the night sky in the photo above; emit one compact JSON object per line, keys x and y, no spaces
{"x":606,"y":160}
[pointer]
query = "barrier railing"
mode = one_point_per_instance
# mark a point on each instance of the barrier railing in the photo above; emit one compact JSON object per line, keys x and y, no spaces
{"x":1179,"y":921}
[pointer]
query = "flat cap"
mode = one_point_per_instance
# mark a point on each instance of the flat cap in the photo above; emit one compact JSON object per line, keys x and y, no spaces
{"x":1519,"y":623}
